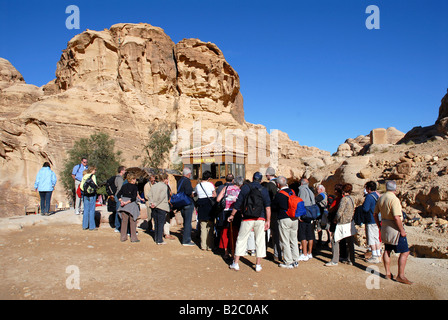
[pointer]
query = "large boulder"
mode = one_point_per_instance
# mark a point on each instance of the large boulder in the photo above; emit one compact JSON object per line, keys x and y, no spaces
{"x":123,"y":81}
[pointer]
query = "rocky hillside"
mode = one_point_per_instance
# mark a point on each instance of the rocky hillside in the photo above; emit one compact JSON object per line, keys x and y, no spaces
{"x":131,"y":77}
{"x":122,"y":81}
{"x":417,"y":160}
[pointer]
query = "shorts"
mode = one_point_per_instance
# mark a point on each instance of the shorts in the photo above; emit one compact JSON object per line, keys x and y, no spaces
{"x":372,"y":234}
{"x":306,"y":231}
{"x":401,"y":247}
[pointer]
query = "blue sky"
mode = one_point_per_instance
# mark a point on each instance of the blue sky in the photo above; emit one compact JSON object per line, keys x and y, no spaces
{"x":309,"y":68}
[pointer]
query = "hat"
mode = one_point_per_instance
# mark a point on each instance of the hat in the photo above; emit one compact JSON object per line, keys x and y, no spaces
{"x":270,"y":171}
{"x":257,"y":176}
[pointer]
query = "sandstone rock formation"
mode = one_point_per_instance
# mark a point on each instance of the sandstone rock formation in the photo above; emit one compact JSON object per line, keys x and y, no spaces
{"x":417,"y":160}
{"x":122,"y":81}
{"x":377,"y":139}
{"x":442,"y":120}
{"x":438,"y":131}
{"x":130,"y":77}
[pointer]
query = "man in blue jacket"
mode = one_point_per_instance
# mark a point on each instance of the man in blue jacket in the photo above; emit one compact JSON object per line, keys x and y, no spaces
{"x":44,"y":184}
{"x":77,"y":177}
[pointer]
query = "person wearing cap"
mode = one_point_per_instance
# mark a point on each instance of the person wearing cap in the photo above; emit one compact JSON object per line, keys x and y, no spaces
{"x":259,"y":225}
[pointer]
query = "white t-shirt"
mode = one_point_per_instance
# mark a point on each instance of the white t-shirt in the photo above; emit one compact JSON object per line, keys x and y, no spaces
{"x":208,"y":187}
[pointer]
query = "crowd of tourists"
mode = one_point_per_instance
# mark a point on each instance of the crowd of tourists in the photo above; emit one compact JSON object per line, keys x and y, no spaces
{"x":241,"y":217}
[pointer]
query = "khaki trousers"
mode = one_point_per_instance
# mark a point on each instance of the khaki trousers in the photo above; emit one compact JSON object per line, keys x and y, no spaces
{"x":243,"y":235}
{"x":127,"y":218}
{"x":207,"y":238}
{"x":288,"y":240}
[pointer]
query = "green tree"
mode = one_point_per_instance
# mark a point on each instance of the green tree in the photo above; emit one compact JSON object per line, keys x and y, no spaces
{"x":99,"y":149}
{"x":157,"y":148}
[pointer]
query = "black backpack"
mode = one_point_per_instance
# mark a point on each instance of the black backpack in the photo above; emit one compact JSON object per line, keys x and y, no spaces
{"x":89,"y":183}
{"x":253,"y":203}
{"x":111,"y":188}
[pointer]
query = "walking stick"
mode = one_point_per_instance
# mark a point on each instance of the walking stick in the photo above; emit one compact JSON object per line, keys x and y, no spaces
{"x":231,"y":240}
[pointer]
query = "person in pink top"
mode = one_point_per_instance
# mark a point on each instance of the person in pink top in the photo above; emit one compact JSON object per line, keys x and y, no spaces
{"x":230,"y":192}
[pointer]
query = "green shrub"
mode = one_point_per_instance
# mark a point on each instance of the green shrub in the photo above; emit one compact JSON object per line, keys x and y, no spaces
{"x":99,"y":149}
{"x":157,"y":148}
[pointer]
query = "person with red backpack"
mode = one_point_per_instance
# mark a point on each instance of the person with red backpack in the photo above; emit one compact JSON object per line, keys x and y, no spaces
{"x":288,"y":207}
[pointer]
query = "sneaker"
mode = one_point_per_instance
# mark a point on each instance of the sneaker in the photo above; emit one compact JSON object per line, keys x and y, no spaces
{"x":295,"y":264}
{"x":310,"y":256}
{"x":252,"y":253}
{"x":117,"y":231}
{"x":331,"y":264}
{"x":234,"y":266}
{"x":303,"y":257}
{"x":373,"y":259}
{"x":161,"y":243}
{"x":189,"y":244}
{"x":286,"y":266}
{"x":258,"y":268}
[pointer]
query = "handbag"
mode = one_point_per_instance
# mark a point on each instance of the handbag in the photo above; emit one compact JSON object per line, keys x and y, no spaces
{"x":180,"y":199}
{"x":79,"y":192}
{"x":221,"y":205}
{"x":313,"y":211}
{"x":343,"y":231}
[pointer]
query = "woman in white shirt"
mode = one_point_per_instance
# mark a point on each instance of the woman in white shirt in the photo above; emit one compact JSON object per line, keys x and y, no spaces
{"x":206,"y":197}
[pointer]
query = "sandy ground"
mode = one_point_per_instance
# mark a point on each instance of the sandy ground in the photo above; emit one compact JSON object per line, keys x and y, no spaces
{"x":43,"y":257}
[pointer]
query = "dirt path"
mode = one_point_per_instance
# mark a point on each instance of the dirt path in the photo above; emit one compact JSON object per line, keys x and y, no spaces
{"x":36,"y":265}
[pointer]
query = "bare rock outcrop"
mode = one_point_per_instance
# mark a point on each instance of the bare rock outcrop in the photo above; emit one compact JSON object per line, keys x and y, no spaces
{"x":122,"y":81}
{"x":437,"y":131}
{"x":377,"y":139}
{"x":15,"y":94}
{"x":442,"y":120}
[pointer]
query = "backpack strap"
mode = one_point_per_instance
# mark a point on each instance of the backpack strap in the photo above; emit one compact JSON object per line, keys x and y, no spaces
{"x":312,"y":198}
{"x":182,"y":181}
{"x":353,"y":202}
{"x":225,"y":193}
{"x":211,"y":201}
{"x":286,"y":193}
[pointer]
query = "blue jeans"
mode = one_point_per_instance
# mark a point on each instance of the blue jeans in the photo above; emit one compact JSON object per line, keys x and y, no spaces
{"x":187,"y":214}
{"x":45,"y":199}
{"x":159,"y":222}
{"x":117,"y":217}
{"x":88,"y":220}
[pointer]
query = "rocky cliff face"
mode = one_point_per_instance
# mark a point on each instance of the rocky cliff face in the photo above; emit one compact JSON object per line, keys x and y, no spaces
{"x":417,"y":160}
{"x":442,"y":120}
{"x":122,"y":81}
{"x":131,"y":77}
